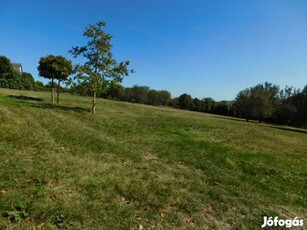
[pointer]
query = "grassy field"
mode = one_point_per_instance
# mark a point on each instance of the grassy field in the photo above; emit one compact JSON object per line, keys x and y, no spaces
{"x":132,"y":166}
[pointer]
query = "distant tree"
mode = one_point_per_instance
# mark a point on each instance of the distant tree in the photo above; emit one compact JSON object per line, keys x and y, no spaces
{"x":153,"y":97}
{"x":27,"y":81}
{"x":100,"y":68}
{"x":285,"y":112}
{"x":299,"y":100}
{"x":5,"y":67}
{"x":244,"y":104}
{"x":258,"y":102}
{"x":126,"y":94}
{"x":39,"y":86}
{"x":185,"y":101}
{"x":198,"y":104}
{"x":49,"y":85}
{"x":114,"y":91}
{"x":81,"y":88}
{"x":138,"y":94}
{"x":222,"y":108}
{"x":284,"y":109}
{"x":6,"y":71}
{"x":174,"y":103}
{"x":264,"y":99}
{"x":209,"y":105}
{"x":303,"y":107}
{"x":84,"y":89}
{"x":164,"y":97}
{"x":14,"y":80}
{"x":54,"y":67}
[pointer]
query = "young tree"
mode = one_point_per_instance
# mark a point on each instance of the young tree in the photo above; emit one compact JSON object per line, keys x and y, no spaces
{"x":54,"y":67}
{"x":63,"y":70}
{"x":100,"y":68}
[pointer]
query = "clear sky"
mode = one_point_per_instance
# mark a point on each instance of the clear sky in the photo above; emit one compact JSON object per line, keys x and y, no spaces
{"x":205,"y":48}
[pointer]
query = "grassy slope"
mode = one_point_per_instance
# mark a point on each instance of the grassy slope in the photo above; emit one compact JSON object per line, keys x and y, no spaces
{"x":133,"y":165}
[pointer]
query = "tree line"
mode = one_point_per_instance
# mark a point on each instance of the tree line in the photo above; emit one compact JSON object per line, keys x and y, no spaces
{"x":270,"y":103}
{"x":263,"y":102}
{"x":145,"y":95}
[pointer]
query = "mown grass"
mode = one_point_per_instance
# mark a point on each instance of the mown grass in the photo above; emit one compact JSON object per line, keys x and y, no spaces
{"x":135,"y":165}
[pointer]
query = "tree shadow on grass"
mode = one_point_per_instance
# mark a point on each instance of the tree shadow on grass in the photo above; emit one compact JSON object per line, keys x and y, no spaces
{"x":291,"y":129}
{"x":60,"y":107}
{"x":26,"y":98}
{"x":235,"y":119}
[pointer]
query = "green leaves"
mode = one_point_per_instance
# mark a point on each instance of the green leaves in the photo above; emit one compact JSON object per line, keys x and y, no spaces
{"x":54,"y":67}
{"x":6,"y":68}
{"x":100,"y":68}
{"x":258,"y":101}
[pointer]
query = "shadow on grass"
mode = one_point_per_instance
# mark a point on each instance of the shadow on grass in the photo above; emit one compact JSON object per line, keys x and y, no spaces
{"x":235,"y":119}
{"x":26,"y":98}
{"x":288,"y":129}
{"x":291,"y":129}
{"x":61,"y":107}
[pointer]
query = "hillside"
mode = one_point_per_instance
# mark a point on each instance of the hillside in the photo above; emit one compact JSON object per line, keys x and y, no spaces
{"x":134,"y":165}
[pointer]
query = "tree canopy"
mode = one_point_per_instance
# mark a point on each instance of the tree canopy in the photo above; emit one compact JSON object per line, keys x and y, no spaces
{"x":54,"y":67}
{"x":6,"y":68}
{"x":258,"y":102}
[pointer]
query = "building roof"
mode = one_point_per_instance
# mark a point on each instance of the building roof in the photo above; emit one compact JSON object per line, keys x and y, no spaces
{"x":17,"y":67}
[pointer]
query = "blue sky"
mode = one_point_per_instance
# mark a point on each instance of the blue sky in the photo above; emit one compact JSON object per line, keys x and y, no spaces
{"x":205,"y":48}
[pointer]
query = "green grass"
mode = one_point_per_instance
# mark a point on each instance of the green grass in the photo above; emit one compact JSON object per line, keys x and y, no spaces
{"x":134,"y":165}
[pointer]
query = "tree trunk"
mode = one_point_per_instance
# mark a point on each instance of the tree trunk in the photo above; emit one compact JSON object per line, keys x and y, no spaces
{"x":52,"y":92}
{"x":58,"y":93}
{"x":94,"y":103}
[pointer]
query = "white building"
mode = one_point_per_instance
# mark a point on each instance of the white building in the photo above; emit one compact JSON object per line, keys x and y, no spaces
{"x":17,"y":67}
